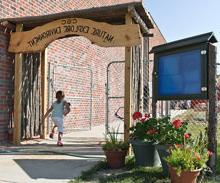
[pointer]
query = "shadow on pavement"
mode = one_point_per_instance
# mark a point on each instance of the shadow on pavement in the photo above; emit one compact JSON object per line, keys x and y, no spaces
{"x":53,"y":168}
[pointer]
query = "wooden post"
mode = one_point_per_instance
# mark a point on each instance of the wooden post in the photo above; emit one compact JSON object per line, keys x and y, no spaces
{"x":17,"y":94}
{"x":145,"y":67}
{"x":43,"y":66}
{"x":212,"y":126}
{"x":154,"y":107}
{"x":128,"y":86}
{"x":138,"y":19}
{"x":154,"y":101}
{"x":154,"y":88}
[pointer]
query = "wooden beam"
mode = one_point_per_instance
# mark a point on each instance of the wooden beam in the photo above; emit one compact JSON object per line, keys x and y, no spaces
{"x":147,"y":34}
{"x":102,"y":34}
{"x":128,"y":86}
{"x":44,"y":92}
{"x":17,"y":94}
{"x":213,"y":121}
{"x":138,"y":19}
{"x":154,"y":101}
{"x":8,"y":25}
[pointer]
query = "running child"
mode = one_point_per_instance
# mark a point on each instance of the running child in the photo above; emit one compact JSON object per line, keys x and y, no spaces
{"x":59,"y":109}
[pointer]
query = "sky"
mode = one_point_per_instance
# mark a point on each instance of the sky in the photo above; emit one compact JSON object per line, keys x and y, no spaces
{"x":179,"y":19}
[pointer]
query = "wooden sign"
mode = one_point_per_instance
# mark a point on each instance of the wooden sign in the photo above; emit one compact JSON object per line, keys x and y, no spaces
{"x":99,"y":33}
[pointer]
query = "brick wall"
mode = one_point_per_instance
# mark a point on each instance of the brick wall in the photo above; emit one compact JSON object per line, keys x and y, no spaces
{"x":6,"y":83}
{"x":18,"y":8}
{"x":66,"y":62}
{"x":154,"y":41}
{"x":69,"y":52}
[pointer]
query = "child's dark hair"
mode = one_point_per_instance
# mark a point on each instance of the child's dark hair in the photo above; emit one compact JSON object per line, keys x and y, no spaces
{"x":69,"y":103}
{"x":60,"y":94}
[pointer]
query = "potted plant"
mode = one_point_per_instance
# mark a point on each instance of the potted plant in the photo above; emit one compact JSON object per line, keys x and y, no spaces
{"x":169,"y":134}
{"x":115,"y":150}
{"x":186,"y":161}
{"x":143,"y":138}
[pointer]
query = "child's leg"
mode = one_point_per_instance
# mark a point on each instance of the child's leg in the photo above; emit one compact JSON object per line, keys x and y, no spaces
{"x":59,"y":142}
{"x":52,"y":132}
{"x":53,"y":129}
{"x":60,"y":129}
{"x":60,"y":136}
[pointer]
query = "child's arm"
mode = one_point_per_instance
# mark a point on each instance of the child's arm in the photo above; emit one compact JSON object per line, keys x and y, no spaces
{"x":67,"y":106}
{"x":47,"y":113}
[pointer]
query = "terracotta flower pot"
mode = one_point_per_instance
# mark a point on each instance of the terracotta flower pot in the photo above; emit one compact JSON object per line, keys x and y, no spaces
{"x":116,"y":159}
{"x":185,"y":177}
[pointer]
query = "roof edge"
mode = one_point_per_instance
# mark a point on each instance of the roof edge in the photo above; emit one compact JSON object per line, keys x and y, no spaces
{"x":138,"y":5}
{"x":202,"y":38}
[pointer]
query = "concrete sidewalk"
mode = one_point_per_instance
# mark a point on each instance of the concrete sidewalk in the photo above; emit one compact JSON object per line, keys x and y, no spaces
{"x":41,"y":161}
{"x":42,"y":168}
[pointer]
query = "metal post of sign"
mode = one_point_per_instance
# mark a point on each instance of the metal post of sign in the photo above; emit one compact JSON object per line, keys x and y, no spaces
{"x":161,"y":108}
{"x":167,"y":108}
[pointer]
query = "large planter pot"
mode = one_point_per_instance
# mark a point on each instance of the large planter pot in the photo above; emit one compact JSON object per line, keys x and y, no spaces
{"x":185,"y":177}
{"x":116,"y":159}
{"x":145,"y":154}
{"x":163,"y":151}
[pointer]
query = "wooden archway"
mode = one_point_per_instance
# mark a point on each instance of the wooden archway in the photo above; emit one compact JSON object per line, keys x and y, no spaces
{"x":102,"y":34}
{"x":127,"y":29}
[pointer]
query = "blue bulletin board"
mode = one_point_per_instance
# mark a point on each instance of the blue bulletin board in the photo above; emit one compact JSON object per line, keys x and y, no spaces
{"x":180,"y":73}
{"x":181,"y":68}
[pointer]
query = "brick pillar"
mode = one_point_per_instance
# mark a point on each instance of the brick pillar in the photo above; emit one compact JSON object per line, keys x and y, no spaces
{"x":6,"y":84}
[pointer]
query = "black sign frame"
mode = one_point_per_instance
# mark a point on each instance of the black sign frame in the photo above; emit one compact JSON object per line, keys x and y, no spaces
{"x":204,"y":73}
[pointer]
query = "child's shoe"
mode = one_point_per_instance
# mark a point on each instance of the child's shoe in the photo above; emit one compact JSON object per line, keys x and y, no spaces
{"x":51,"y":135}
{"x":59,"y":143}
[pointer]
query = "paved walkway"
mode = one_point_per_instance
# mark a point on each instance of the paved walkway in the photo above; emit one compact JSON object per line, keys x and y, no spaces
{"x":43,"y":162}
{"x":42,"y":168}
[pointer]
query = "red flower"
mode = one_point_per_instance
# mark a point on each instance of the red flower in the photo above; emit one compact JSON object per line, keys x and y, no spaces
{"x":136,"y":115}
{"x":197,"y":156}
{"x":151,"y":132}
{"x":186,"y":135}
{"x":147,"y":115}
{"x":210,"y":153}
{"x":177,"y":123}
{"x":143,"y":119}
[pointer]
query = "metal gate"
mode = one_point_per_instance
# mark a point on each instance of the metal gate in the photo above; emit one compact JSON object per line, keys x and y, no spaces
{"x":115,"y":97}
{"x":77,"y":83}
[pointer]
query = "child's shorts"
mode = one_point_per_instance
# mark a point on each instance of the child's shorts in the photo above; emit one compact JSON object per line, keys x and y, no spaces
{"x":59,"y":123}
